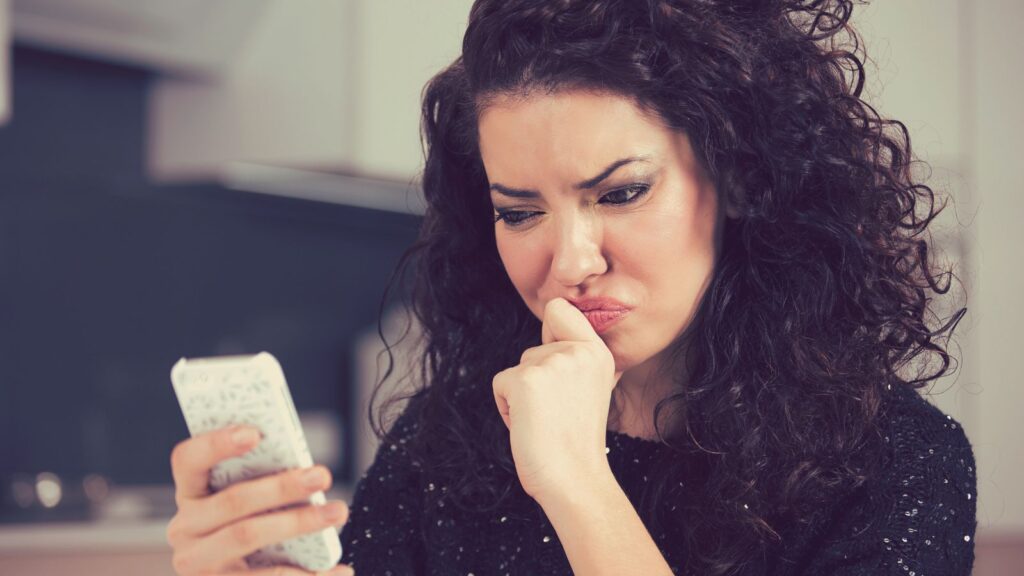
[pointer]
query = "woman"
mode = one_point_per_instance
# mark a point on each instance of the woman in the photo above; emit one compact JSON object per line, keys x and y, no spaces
{"x":670,"y":278}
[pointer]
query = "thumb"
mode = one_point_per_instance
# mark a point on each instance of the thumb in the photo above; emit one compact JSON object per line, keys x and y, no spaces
{"x":563,"y":321}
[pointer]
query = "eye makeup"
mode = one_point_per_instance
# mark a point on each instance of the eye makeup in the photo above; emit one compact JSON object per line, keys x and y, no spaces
{"x":620,"y":196}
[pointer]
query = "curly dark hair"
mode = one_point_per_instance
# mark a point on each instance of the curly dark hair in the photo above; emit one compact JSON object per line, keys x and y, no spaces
{"x":818,"y":301}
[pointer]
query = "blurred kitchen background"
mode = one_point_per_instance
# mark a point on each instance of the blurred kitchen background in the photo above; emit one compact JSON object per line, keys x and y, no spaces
{"x":207,"y":177}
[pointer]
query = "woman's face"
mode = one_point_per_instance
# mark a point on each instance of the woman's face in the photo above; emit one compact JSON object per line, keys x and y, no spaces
{"x":595,"y":198}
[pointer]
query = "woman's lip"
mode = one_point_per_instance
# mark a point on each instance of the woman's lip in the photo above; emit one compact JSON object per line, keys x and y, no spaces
{"x":598,"y":303}
{"x":602,"y":320}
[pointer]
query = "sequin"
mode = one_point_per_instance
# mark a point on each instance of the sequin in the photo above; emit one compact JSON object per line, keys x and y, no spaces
{"x":931,"y":471}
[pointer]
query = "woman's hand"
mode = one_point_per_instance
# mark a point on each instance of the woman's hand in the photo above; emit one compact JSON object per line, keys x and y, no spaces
{"x":212,"y":533}
{"x":556,"y":401}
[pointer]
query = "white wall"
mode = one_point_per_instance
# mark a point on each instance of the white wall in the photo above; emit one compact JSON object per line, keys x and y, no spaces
{"x":285,"y":100}
{"x":997,"y":117}
{"x":402,"y":44}
{"x":951,"y":71}
{"x":333,"y":85}
{"x":192,"y":37}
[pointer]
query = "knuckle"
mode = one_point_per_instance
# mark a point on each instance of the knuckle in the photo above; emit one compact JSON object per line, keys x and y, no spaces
{"x":562,"y":357}
{"x":296,"y":521}
{"x":531,"y":378}
{"x":182,"y":563}
{"x":243,"y":533}
{"x":178,"y":454}
{"x":532,"y":374}
{"x":525,"y":355}
{"x":233,"y":502}
{"x":173,"y":532}
{"x":499,"y":378}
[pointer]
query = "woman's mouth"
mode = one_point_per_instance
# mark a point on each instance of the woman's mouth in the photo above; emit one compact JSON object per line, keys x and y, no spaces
{"x":601,"y":311}
{"x":603,"y":320}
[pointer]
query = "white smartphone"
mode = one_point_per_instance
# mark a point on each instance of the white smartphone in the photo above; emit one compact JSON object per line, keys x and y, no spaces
{"x":222,"y":391}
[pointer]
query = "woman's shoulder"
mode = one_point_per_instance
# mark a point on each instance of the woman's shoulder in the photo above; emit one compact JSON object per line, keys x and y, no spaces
{"x":922,"y":437}
{"x":919,"y":513}
{"x":931,"y":470}
{"x":930,"y":475}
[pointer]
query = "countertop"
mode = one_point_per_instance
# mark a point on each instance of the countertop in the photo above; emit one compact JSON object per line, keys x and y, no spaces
{"x":132,"y":518}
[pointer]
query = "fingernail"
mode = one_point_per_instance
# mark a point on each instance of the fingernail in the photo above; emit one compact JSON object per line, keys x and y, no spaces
{"x":332,"y":511}
{"x":342,"y":571}
{"x":314,"y":477}
{"x":244,"y":436}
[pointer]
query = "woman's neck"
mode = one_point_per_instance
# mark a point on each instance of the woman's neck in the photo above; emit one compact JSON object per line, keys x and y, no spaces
{"x":634,"y":398}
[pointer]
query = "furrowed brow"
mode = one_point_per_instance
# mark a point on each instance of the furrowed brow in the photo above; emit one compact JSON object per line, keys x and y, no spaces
{"x":584,"y":185}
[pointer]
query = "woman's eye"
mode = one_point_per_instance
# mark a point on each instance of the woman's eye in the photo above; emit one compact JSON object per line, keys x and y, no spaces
{"x":637,"y":191}
{"x":514,"y":218}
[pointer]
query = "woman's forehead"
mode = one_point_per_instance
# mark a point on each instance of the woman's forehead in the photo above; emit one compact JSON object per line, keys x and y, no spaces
{"x":568,"y":127}
{"x":520,"y":147}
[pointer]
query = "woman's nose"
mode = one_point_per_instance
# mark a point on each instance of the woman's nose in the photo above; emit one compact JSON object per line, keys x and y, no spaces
{"x":577,"y":251}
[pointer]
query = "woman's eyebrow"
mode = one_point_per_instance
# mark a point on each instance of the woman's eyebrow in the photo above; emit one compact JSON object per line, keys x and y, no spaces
{"x":584,"y":185}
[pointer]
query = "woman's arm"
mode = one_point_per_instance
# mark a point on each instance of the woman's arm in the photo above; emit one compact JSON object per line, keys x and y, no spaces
{"x":600,"y":530}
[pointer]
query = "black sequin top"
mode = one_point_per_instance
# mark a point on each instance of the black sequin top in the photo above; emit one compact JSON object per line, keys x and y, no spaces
{"x":916,"y":520}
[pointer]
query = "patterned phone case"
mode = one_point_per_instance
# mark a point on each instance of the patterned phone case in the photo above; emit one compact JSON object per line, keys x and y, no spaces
{"x":222,"y":391}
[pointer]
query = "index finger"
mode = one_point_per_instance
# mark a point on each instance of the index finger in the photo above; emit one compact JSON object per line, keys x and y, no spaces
{"x":193,"y":458}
